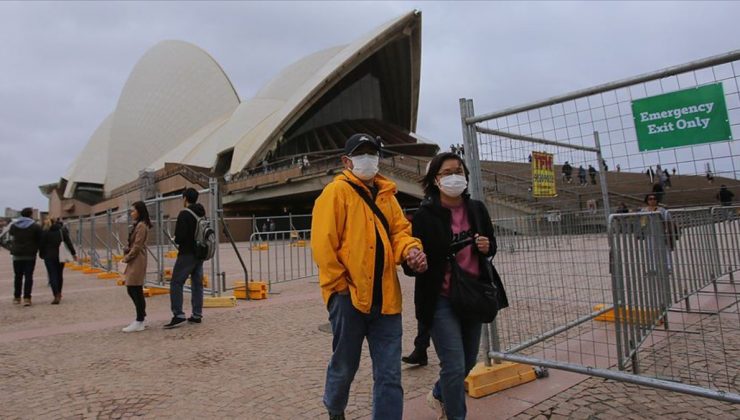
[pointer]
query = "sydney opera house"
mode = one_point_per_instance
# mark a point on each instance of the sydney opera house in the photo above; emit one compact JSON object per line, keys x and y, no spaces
{"x":179,"y":121}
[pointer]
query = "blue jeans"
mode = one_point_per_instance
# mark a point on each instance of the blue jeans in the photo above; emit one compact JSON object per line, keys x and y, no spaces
{"x":23,"y":269}
{"x":456,"y":343}
{"x":383,"y":332}
{"x":187,"y":265}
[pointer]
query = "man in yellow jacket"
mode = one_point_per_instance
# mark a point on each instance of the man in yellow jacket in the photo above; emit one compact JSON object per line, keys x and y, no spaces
{"x":357,"y":249}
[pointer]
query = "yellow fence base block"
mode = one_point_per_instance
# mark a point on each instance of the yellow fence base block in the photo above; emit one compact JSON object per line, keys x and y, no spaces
{"x":92,"y":270}
{"x":637,"y":315}
{"x":219,"y":302}
{"x":298,"y":244}
{"x":117,"y":258}
{"x":170,"y":254}
{"x":260,"y":247}
{"x":120,"y":282}
{"x":485,"y":380}
{"x":257,"y":290}
{"x":109,"y":275}
{"x":153,"y":291}
{"x":72,"y":266}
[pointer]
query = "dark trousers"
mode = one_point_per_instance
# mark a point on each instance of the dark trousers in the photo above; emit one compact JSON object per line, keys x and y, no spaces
{"x":421,"y":342}
{"x":55,"y":271}
{"x":137,"y":295}
{"x":23,"y":269}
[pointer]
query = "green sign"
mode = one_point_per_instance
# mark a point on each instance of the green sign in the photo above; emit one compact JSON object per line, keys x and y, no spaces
{"x":691,"y":116}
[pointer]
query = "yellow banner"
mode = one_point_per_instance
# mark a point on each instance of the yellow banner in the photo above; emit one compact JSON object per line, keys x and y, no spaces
{"x":543,"y":175}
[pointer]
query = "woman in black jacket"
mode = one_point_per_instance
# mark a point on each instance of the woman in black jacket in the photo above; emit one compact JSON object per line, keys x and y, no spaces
{"x":449,"y":215}
{"x":52,"y":236}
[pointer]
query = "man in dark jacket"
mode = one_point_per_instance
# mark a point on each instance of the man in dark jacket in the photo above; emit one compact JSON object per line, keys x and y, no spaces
{"x":26,"y":235}
{"x":725,"y":196}
{"x":187,"y":264}
{"x":51,"y":240}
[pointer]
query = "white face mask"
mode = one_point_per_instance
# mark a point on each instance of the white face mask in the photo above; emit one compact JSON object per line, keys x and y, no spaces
{"x":453,"y":185}
{"x":365,"y":167}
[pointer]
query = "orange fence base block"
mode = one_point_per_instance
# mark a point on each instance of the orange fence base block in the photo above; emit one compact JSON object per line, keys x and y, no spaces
{"x":73,"y":266}
{"x":632,"y":314}
{"x":485,"y":380}
{"x":260,"y":247}
{"x":170,"y":254}
{"x":120,"y":282}
{"x":117,"y":258}
{"x":92,"y":270}
{"x":153,"y":291}
{"x":109,"y":275}
{"x":219,"y":302}
{"x":298,"y":244}
{"x":257,"y":290}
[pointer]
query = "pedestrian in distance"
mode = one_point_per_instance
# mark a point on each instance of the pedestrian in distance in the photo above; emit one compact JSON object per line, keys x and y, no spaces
{"x":659,"y":191}
{"x":567,"y":172}
{"x":446,"y":219}
{"x":359,"y":235}
{"x":135,"y":257}
{"x":26,"y":238}
{"x":53,"y":235}
{"x":725,"y":196}
{"x":582,"y":176}
{"x":187,"y":264}
{"x":592,"y":174}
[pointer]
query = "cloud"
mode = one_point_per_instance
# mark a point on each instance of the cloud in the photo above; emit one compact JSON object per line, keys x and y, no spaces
{"x":64,"y":64}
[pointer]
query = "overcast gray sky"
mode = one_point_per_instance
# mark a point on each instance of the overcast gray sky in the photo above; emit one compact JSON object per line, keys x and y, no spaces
{"x":64,"y":64}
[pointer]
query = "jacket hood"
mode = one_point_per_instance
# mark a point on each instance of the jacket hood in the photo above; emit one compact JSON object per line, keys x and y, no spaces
{"x":198,"y":209}
{"x":23,"y":222}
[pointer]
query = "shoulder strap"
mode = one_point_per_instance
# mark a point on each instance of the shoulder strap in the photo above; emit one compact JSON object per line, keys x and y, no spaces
{"x":197,"y":218}
{"x":372,"y":205}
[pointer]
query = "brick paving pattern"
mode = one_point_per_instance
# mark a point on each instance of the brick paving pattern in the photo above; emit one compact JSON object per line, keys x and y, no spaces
{"x":260,"y":360}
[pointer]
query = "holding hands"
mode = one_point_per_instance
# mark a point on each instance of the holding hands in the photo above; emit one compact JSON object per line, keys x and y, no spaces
{"x":483,"y":244}
{"x":417,"y":260}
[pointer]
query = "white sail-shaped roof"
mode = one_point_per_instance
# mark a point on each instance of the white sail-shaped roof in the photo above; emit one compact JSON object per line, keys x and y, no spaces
{"x":175,"y":90}
{"x":91,"y":165}
{"x":178,"y":106}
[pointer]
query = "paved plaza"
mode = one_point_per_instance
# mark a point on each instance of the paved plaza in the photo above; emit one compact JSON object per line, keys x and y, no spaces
{"x":261,"y":360}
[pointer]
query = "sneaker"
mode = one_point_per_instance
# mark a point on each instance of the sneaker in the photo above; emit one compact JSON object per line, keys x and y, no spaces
{"x":134,"y":327}
{"x":16,"y":301}
{"x":417,"y":357}
{"x":56,"y":300}
{"x":436,"y":405}
{"x":176,"y":321}
{"x":195,"y":319}
{"x":26,"y":301}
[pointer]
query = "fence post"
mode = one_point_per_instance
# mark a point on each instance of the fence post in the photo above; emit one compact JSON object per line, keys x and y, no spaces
{"x":215,"y":266}
{"x":472,"y":160}
{"x":93,"y":259}
{"x":602,"y":178}
{"x":109,"y":250}
{"x":160,"y":253}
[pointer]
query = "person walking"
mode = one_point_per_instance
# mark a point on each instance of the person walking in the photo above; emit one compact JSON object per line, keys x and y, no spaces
{"x":448,"y":216}
{"x":135,"y":257}
{"x":358,"y":235}
{"x":52,"y":236}
{"x":187,"y":264}
{"x":567,"y":172}
{"x":725,"y":196}
{"x":26,"y":237}
{"x":582,"y":176}
{"x":592,"y":174}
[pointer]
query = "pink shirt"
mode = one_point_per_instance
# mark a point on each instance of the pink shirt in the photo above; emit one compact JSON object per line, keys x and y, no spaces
{"x":467,"y":260}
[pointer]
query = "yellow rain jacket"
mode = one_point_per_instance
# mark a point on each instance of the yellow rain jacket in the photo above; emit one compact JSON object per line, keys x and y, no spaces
{"x":343,"y":242}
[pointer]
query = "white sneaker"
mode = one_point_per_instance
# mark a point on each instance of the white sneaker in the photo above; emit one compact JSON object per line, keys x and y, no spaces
{"x":134,"y":327}
{"x":436,"y":405}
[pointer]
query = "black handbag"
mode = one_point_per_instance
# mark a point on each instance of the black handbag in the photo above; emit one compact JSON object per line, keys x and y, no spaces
{"x":475,"y":299}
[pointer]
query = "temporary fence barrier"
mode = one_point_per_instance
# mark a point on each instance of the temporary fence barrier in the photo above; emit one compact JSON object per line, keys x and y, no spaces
{"x":280,"y":256}
{"x":667,"y":286}
{"x":101,"y":239}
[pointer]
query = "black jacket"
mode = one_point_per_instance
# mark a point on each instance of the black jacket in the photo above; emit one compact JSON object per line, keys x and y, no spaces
{"x":433,"y":226}
{"x":51,"y":240}
{"x":185,"y":229}
{"x":26,"y":239}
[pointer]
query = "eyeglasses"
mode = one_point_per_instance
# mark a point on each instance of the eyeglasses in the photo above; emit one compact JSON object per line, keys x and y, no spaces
{"x":459,"y":171}
{"x":652,"y":199}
